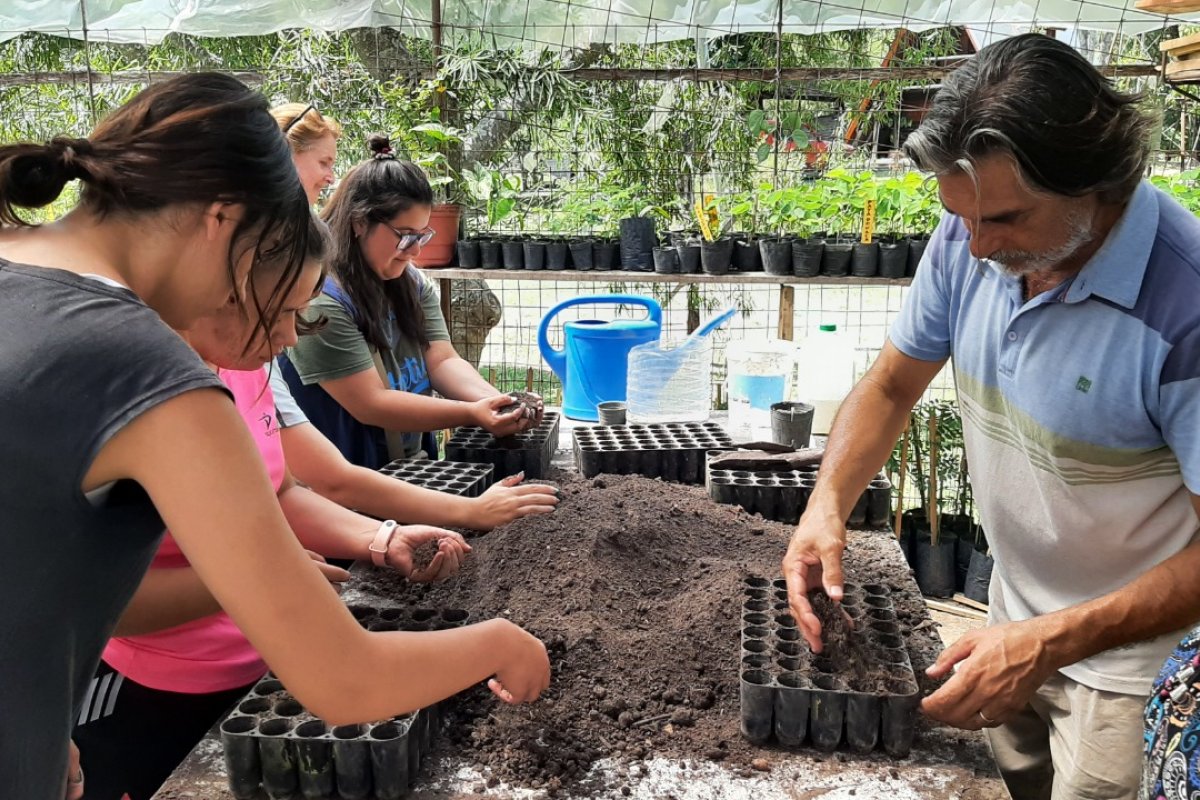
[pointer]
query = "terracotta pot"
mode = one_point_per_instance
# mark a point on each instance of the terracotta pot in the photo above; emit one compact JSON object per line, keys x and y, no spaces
{"x":439,"y":252}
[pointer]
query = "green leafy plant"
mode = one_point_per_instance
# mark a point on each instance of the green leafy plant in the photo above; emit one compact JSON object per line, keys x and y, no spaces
{"x":435,"y":141}
{"x":788,"y":132}
{"x":496,"y":191}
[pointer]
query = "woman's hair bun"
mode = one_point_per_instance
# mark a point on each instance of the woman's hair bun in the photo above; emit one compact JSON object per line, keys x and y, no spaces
{"x":380,"y":146}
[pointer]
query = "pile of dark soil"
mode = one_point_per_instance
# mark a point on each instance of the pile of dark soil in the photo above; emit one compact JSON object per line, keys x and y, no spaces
{"x":635,"y":585}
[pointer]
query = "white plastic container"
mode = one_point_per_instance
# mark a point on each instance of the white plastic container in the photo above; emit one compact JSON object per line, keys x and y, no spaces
{"x":759,"y":374}
{"x":670,"y":382}
{"x":825,"y":374}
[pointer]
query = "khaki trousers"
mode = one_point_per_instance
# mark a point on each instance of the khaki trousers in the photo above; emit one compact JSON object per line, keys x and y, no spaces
{"x":1071,"y":742}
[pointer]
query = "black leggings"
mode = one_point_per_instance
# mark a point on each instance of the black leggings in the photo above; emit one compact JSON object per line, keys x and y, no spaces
{"x":131,"y":738}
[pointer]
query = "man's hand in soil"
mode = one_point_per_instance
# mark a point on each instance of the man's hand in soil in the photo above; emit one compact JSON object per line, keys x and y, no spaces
{"x":996,"y":671}
{"x":488,"y":414}
{"x":452,"y":550}
{"x":508,"y":500}
{"x":814,"y":561}
{"x":526,"y":673}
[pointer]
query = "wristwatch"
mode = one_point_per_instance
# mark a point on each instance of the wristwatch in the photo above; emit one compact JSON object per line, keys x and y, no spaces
{"x":379,"y":545}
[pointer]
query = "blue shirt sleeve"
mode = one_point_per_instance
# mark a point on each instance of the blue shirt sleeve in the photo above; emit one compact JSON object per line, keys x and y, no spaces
{"x":922,"y":329}
{"x":1179,"y":407}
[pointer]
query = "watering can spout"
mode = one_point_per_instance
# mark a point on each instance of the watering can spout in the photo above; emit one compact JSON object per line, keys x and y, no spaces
{"x":593,"y":363}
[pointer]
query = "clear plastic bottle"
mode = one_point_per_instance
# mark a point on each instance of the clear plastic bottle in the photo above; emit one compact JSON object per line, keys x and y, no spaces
{"x":759,"y":374}
{"x":825,"y":375}
{"x":670,"y":382}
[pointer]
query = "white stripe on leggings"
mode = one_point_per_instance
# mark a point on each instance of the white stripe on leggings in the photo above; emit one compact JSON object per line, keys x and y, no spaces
{"x":101,"y":696}
{"x":112,"y":695}
{"x":87,"y":703}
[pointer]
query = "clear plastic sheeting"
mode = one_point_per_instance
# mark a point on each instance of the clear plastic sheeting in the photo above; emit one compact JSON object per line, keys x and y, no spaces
{"x":553,"y":23}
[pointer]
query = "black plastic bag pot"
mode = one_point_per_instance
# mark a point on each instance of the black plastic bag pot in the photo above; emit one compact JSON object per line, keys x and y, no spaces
{"x":916,"y":249}
{"x":935,"y":564}
{"x":604,"y":255}
{"x":581,"y":254}
{"x":513,"y":254}
{"x":689,"y":258}
{"x":637,"y":244}
{"x":776,"y":256}
{"x":758,"y":705}
{"x":666,"y":260}
{"x":242,"y":763}
{"x":747,"y":257}
{"x":806,"y":257}
{"x":979,"y":576}
{"x":835,"y":262}
{"x":314,"y":760}
{"x":893,"y":259}
{"x":468,"y":254}
{"x":556,"y":255}
{"x":489,"y":254}
{"x":864,"y":261}
{"x":535,"y":254}
{"x":716,"y":257}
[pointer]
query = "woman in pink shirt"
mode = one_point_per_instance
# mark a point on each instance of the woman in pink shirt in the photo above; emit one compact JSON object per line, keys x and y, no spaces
{"x":178,"y":662}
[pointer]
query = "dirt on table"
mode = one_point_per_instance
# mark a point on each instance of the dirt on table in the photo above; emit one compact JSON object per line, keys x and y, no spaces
{"x":635,"y":586}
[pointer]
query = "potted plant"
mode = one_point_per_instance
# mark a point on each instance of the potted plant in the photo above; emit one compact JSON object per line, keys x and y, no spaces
{"x":863,"y":190}
{"x":836,"y":190}
{"x":892,"y":197}
{"x":498,"y":193}
{"x":716,"y":250}
{"x":778,"y":206}
{"x":808,"y":250}
{"x":430,"y":142}
{"x":921,"y":213}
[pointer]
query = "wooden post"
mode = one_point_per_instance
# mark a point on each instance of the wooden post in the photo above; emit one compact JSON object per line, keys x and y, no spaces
{"x":787,"y":311}
{"x":934,"y":516}
{"x":529,"y":379}
{"x":900,"y":480}
{"x":447,"y":311}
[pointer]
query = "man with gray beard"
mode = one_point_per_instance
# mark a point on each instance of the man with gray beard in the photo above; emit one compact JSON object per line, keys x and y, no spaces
{"x":1067,"y":291}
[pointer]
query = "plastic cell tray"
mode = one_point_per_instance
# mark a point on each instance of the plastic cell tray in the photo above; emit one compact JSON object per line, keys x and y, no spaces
{"x":782,"y":495}
{"x":798,"y":698}
{"x":672,"y":451}
{"x":529,"y":452}
{"x":452,"y":477}
{"x":272,"y":744}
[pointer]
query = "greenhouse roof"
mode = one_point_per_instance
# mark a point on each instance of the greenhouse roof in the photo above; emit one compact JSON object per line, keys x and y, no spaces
{"x":558,"y":23}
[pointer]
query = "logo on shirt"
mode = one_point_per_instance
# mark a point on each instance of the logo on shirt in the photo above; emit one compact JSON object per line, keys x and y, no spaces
{"x":1084,"y":384}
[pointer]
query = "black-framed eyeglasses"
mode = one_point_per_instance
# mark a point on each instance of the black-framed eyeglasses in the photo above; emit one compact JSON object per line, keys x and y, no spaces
{"x":407,"y":241}
{"x":298,"y":117}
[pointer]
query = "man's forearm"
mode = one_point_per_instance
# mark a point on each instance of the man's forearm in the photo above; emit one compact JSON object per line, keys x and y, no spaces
{"x":1164,"y":599}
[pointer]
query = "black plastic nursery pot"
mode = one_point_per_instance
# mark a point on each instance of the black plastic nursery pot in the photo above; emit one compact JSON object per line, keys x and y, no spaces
{"x":490,"y":254}
{"x":557,"y":255}
{"x":776,"y":255}
{"x":979,"y":576}
{"x":835,"y":261}
{"x":916,"y":251}
{"x":893,"y":258}
{"x":604,"y":255}
{"x":934,"y":563}
{"x":468,"y":254}
{"x":716,"y":257}
{"x":535,"y":254}
{"x":747,"y":257}
{"x":807,"y":255}
{"x":513,"y":254}
{"x":672,"y":451}
{"x":689,"y":258}
{"x":666,"y":260}
{"x":864,"y":261}
{"x":638,"y":240}
{"x":581,"y":254}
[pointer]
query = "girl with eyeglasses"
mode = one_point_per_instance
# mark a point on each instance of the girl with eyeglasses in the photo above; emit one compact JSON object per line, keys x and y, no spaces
{"x":313,"y":459}
{"x":366,"y":379}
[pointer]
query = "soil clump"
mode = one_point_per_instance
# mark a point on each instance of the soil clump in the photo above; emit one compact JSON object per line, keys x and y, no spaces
{"x":636,"y":587}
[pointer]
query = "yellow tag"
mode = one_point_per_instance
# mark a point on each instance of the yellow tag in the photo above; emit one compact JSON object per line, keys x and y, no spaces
{"x":868,"y":230}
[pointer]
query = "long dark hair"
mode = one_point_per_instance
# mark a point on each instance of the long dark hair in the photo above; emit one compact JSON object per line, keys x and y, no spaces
{"x":1071,"y":132}
{"x":373,"y":192}
{"x":198,"y":138}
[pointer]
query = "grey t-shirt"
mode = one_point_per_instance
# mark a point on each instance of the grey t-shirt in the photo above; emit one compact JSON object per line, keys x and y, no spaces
{"x":79,"y":360}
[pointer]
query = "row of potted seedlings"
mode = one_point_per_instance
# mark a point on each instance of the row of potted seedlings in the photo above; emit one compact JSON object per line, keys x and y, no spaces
{"x":682,"y":253}
{"x":956,"y":560}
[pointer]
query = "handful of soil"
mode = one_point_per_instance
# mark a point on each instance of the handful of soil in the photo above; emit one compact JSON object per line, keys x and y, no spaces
{"x":532,"y":404}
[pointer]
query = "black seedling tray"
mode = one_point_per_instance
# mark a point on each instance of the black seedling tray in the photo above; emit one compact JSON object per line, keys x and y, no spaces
{"x":271,"y":742}
{"x":798,"y":697}
{"x":529,"y":452}
{"x":673,"y":451}
{"x":452,"y":477}
{"x":782,"y":495}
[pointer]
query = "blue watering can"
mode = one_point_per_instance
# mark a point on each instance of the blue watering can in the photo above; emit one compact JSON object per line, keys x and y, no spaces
{"x":594,"y":364}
